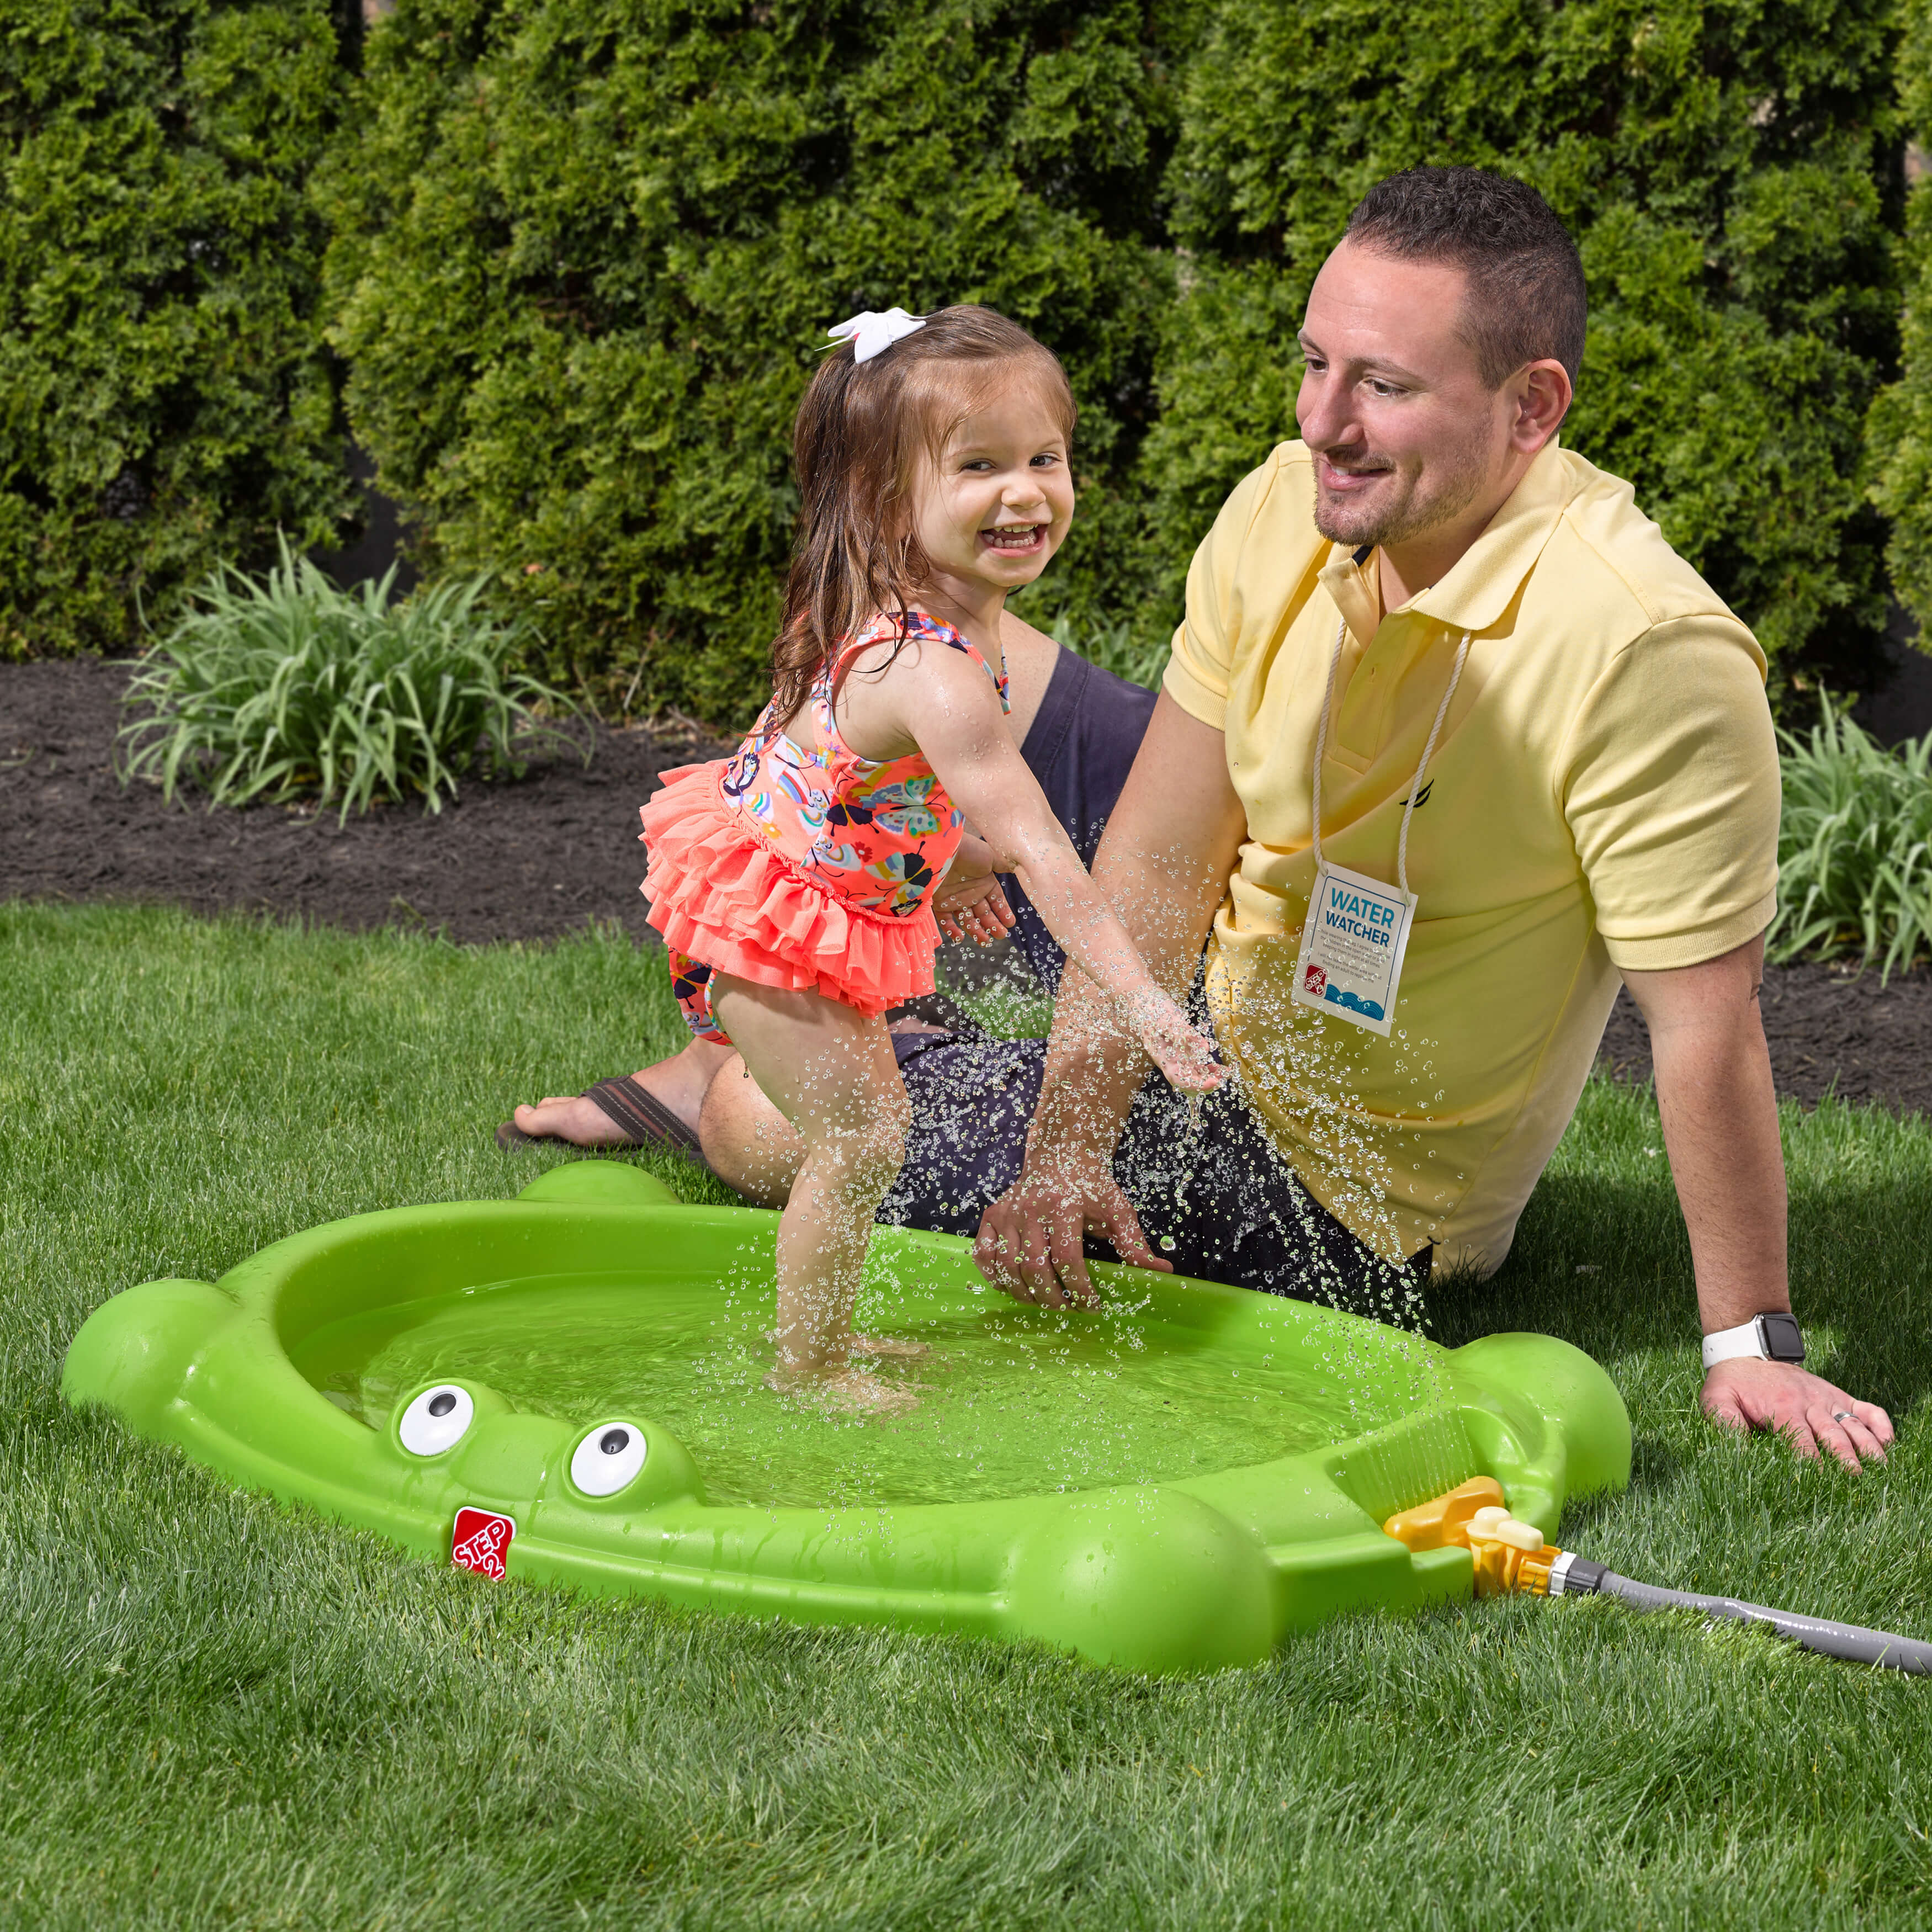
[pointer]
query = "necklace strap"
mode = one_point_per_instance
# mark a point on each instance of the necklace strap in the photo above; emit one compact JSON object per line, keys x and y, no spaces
{"x":1428,"y":750}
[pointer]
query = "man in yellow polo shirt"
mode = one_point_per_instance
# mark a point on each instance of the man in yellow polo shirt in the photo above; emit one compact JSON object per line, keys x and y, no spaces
{"x":1546,"y":767}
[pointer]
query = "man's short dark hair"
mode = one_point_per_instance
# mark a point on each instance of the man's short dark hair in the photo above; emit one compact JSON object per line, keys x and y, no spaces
{"x":1525,"y":299}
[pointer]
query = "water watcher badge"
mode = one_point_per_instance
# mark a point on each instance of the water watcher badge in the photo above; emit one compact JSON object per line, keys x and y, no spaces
{"x":1356,"y":934}
{"x":1352,"y":944}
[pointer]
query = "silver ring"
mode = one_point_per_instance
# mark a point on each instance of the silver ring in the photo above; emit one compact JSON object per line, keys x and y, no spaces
{"x":1841,"y":1415}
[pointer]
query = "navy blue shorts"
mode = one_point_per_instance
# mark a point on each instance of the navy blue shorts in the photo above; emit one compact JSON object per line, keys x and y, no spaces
{"x":1212,"y":1196}
{"x":1217,"y":1201}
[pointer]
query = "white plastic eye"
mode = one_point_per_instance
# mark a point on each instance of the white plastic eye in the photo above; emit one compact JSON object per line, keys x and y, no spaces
{"x":437,"y":1420}
{"x":606,"y":1458}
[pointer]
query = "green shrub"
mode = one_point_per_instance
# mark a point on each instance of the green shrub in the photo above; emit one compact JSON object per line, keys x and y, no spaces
{"x":1901,"y":427}
{"x":1854,"y":847}
{"x":1731,"y":173}
{"x":585,"y":252}
{"x":166,"y":395}
{"x":289,"y":687}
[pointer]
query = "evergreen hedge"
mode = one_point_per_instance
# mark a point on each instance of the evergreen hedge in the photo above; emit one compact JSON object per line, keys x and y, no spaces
{"x":1901,"y":427}
{"x":583,"y":252}
{"x":582,"y":263}
{"x":166,"y":400}
{"x":1732,"y":174}
{"x":586,"y":251}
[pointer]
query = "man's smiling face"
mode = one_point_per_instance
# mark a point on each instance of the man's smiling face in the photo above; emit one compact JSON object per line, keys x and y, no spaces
{"x":1407,"y":437}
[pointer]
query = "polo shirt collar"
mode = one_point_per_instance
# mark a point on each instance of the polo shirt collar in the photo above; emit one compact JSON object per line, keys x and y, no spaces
{"x":1476,"y":592}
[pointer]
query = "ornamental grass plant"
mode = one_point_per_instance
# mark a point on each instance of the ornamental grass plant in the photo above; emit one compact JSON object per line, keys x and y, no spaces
{"x":288,"y":687}
{"x":1855,"y":847}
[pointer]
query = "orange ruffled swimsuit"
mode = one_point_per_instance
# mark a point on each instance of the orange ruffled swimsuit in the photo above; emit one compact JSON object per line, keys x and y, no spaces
{"x":801,"y":864}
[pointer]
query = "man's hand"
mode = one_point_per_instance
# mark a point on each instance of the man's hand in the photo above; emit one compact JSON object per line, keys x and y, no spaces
{"x":1163,"y":864}
{"x":1746,"y":1393}
{"x":1720,"y":1114}
{"x":1031,"y":1240}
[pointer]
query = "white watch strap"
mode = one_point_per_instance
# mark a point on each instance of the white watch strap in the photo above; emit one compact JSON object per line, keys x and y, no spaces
{"x":1747,"y":1339}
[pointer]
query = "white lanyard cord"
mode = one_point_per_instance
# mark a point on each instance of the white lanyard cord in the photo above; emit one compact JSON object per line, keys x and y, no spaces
{"x":1428,"y":750}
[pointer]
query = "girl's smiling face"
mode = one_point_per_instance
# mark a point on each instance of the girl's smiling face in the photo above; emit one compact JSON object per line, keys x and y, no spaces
{"x":993,"y":506}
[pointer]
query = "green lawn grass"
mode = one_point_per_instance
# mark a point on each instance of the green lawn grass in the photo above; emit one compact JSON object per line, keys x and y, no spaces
{"x":217,"y":1710}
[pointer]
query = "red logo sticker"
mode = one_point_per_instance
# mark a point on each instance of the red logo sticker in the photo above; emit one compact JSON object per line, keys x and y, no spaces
{"x":1315,"y":980}
{"x":482,"y":1542}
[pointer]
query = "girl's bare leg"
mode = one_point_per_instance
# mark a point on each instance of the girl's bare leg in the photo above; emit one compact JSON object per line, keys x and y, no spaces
{"x":751,"y":1145}
{"x":831,"y":1073}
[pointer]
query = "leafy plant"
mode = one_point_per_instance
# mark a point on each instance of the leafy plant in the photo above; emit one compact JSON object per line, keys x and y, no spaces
{"x":1899,"y":429}
{"x":1854,"y":849}
{"x":583,"y":252}
{"x":580,"y":255}
{"x":289,"y":686}
{"x":1115,"y":647}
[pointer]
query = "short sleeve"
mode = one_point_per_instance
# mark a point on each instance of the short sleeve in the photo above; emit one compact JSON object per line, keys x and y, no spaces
{"x":1671,"y":791}
{"x":1197,"y":675}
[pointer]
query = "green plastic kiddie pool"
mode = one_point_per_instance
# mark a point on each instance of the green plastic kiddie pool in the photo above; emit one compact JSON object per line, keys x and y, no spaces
{"x":567,"y":1389}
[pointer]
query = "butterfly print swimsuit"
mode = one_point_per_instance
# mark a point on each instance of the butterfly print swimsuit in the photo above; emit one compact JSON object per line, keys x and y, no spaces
{"x":796,"y":863}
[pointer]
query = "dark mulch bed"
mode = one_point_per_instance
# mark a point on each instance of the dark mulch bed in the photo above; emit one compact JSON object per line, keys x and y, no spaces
{"x":534,"y":859}
{"x":1829,"y":1033}
{"x":528,"y":859}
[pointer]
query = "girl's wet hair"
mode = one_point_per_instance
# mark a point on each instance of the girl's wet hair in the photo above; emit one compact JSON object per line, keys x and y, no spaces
{"x":861,"y":432}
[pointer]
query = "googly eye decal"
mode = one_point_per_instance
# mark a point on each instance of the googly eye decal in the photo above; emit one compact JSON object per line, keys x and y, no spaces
{"x":437,"y":1420}
{"x":608,"y":1458}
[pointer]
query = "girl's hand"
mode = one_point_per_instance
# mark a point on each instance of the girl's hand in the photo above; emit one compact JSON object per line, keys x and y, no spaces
{"x":1187,"y":1057}
{"x":969,"y":904}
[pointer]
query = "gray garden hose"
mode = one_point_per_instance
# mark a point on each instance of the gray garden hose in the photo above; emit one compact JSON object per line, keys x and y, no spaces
{"x":1573,"y":1575}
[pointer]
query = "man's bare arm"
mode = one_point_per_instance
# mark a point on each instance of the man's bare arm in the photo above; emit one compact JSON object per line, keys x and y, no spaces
{"x":1714,"y":1090}
{"x":1163,"y":866}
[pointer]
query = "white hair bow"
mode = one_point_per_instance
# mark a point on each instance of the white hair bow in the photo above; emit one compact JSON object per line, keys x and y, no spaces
{"x":870,"y":334}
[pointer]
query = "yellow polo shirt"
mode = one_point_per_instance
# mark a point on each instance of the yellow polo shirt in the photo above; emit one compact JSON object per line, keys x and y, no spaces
{"x":1604,"y":795}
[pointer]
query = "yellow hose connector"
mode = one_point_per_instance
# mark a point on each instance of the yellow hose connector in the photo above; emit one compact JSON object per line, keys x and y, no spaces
{"x":1508,"y":1556}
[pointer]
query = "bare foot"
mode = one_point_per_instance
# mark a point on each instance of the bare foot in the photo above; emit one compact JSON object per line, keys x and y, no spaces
{"x":563,"y":1117}
{"x":679,"y":1082}
{"x":847,"y":1391}
{"x":886,"y":1344}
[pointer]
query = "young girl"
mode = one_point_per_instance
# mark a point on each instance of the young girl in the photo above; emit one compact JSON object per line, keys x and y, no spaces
{"x":794,"y":883}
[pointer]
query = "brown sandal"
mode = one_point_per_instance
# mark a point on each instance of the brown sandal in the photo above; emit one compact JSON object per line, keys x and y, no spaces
{"x":646,"y":1122}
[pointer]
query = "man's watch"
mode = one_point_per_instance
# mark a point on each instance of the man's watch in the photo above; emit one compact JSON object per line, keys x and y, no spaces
{"x":1771,"y":1338}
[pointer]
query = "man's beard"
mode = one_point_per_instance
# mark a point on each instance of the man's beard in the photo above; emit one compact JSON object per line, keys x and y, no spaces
{"x":1415,"y":513}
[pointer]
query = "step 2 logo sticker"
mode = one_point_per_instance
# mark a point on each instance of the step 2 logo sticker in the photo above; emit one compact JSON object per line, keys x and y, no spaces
{"x":481,"y":1541}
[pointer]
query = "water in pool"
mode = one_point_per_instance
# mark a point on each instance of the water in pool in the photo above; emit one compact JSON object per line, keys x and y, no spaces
{"x":1012,"y":1401}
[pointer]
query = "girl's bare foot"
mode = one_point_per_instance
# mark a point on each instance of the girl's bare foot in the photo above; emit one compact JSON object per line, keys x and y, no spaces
{"x":846,"y":1391}
{"x":866,"y":1345}
{"x":886,"y":1345}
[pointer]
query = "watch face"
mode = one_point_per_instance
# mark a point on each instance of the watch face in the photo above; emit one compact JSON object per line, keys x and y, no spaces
{"x":1783,"y":1341}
